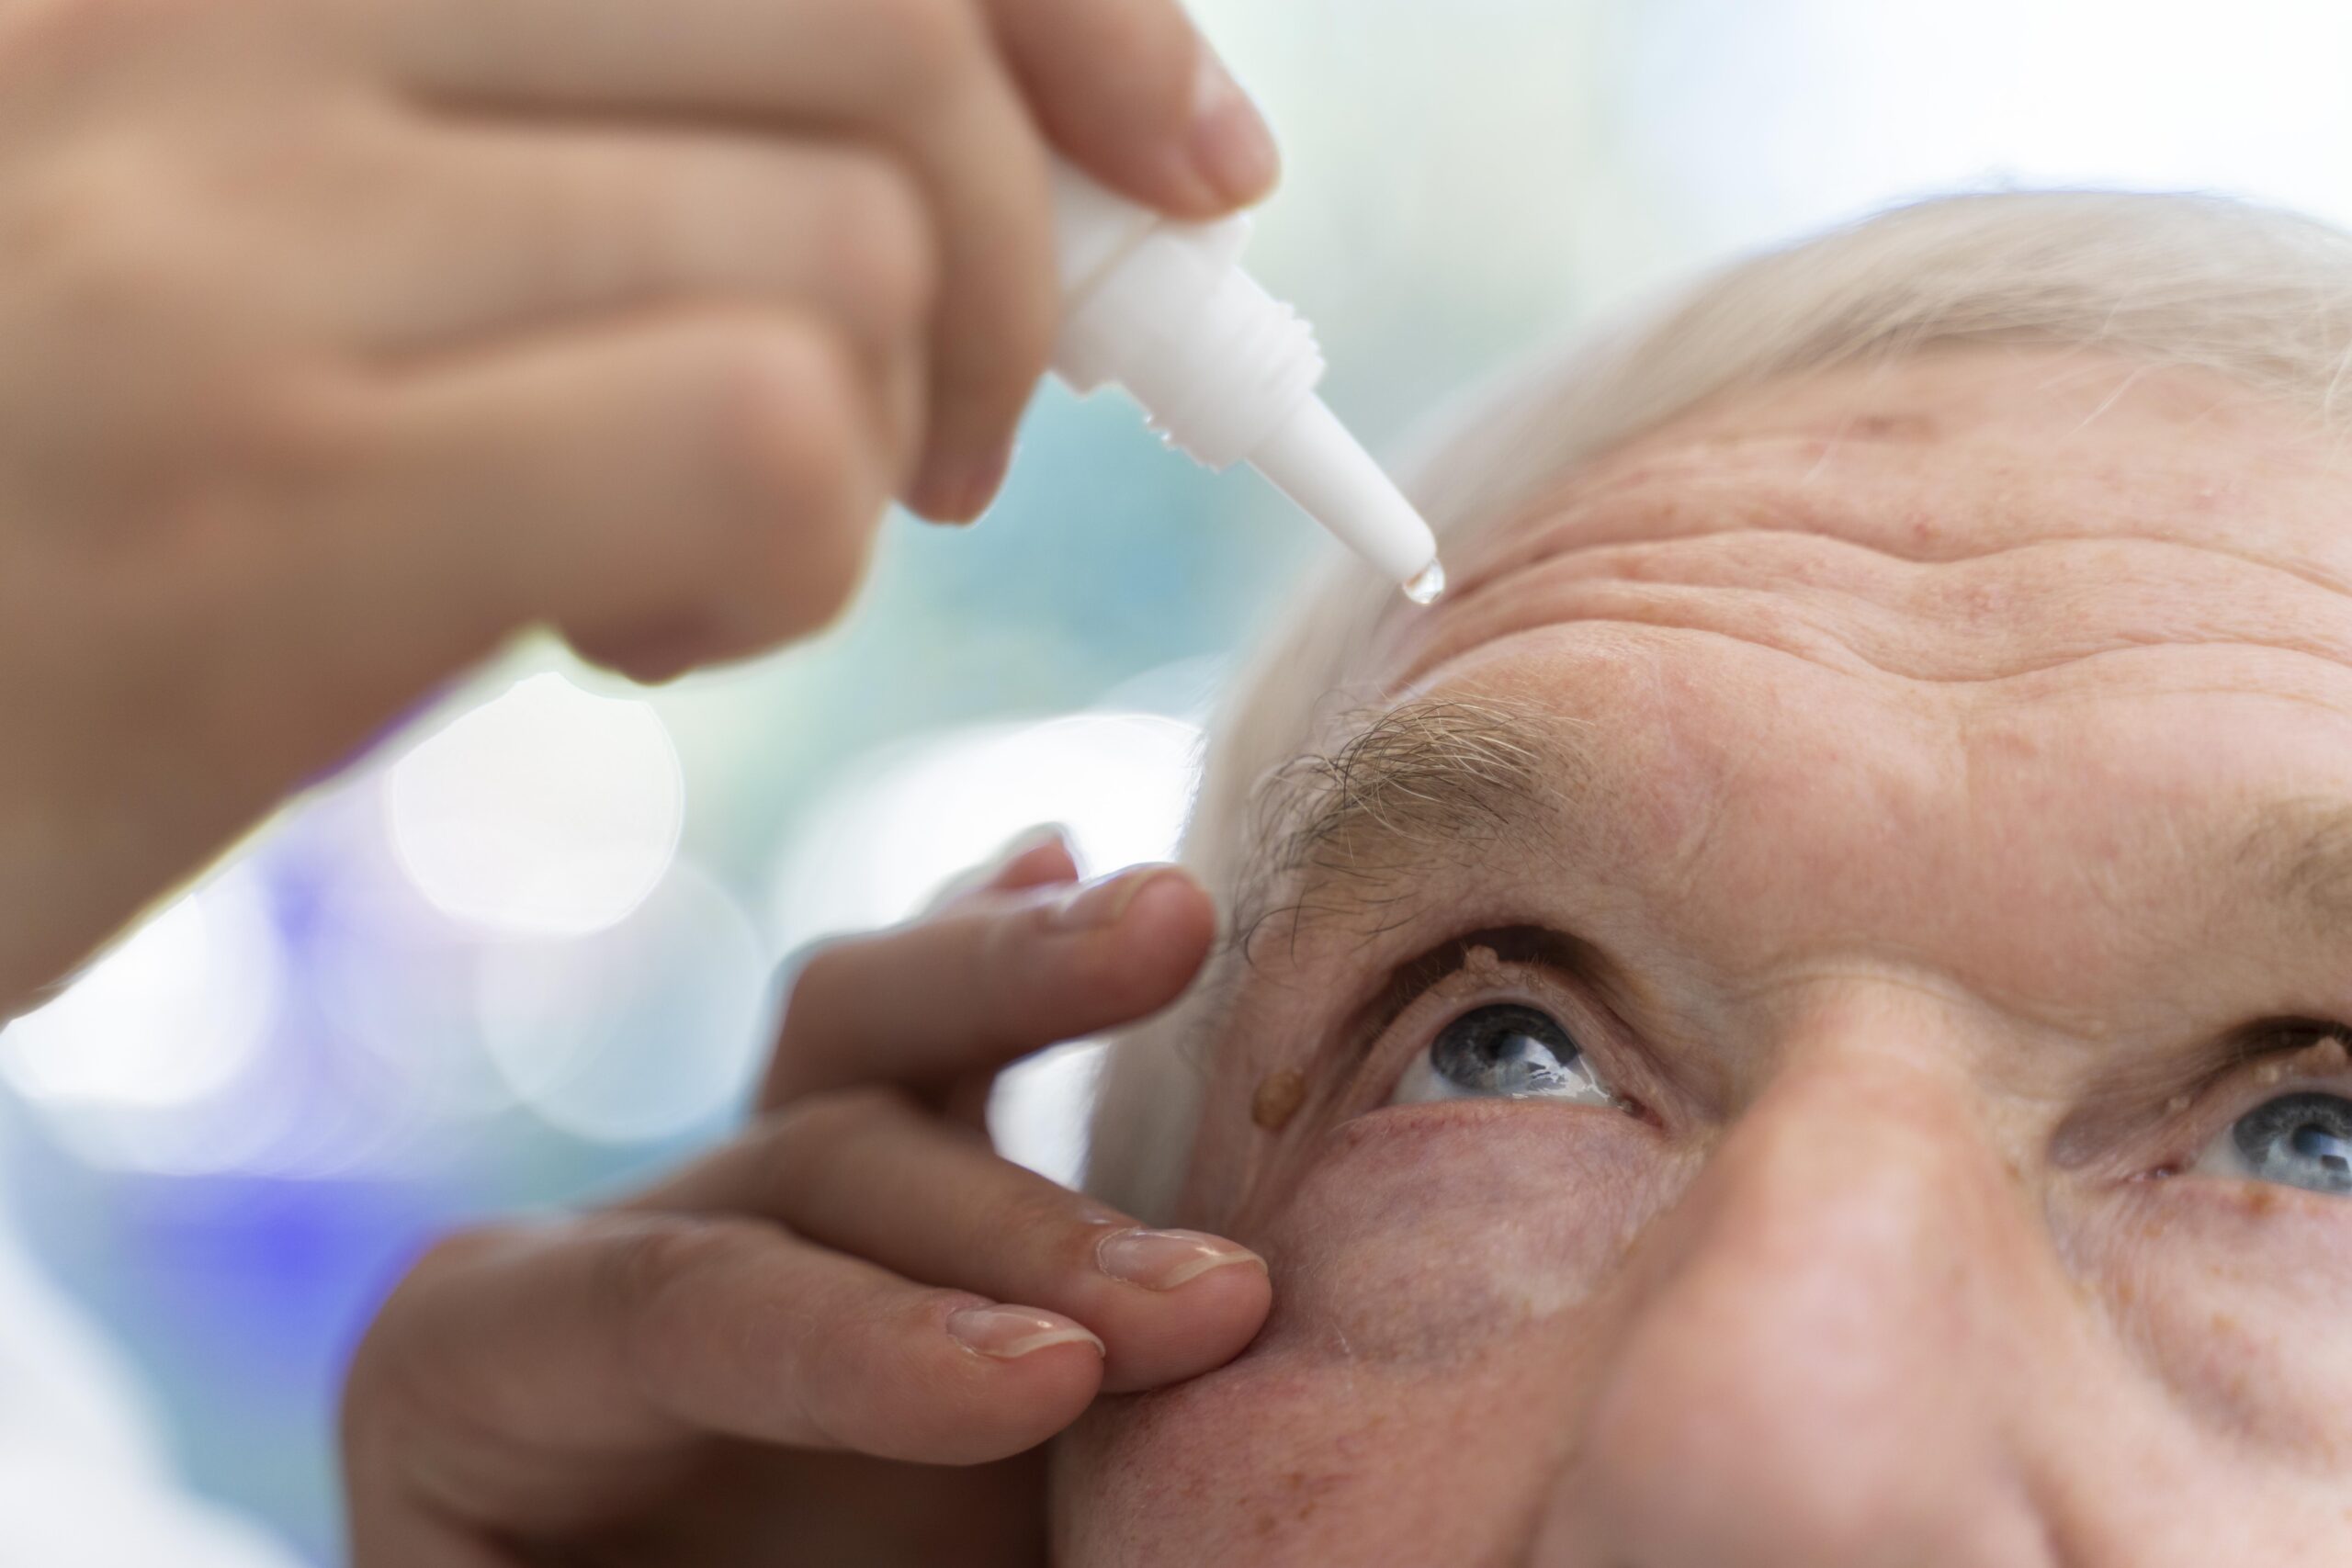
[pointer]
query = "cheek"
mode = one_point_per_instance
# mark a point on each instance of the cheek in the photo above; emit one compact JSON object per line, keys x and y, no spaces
{"x":1287,"y":1460}
{"x":1414,"y":1393}
{"x":1422,"y":1235}
{"x":2237,"y":1292}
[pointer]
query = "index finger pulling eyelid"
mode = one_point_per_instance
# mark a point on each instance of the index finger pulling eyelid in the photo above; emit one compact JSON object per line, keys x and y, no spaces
{"x":979,"y":987}
{"x":871,"y":1176}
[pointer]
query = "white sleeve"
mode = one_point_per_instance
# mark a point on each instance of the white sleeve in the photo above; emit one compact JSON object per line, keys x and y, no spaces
{"x":84,"y":1483}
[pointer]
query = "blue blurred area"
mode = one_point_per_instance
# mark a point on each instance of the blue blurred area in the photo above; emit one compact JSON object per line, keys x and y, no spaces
{"x":407,"y":1043}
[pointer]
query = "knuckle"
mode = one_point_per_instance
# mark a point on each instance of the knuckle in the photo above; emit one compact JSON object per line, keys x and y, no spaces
{"x":1123,"y":69}
{"x":292,"y":431}
{"x":80,"y":38}
{"x":884,"y":249}
{"x":1002,"y":337}
{"x":651,"y":1276}
{"x":1033,"y":1209}
{"x":814,"y":976}
{"x":391,"y":1360}
{"x":806,"y":1141}
{"x":793,"y":429}
{"x":646,"y":1257}
{"x":814,"y":588}
{"x":785,"y":421}
{"x":103,"y":229}
{"x":80,"y":32}
{"x":1156,"y":51}
{"x":938,"y":43}
{"x":824,"y":981}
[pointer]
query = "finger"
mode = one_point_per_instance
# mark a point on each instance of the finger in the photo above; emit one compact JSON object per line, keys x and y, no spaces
{"x":534,"y":229}
{"x":920,"y":76}
{"x":979,"y":986}
{"x":719,"y":468}
{"x":1042,"y":860}
{"x":1140,"y":99}
{"x":388,"y":1529}
{"x":868,"y":1174}
{"x":1038,"y":858}
{"x":631,"y":1333}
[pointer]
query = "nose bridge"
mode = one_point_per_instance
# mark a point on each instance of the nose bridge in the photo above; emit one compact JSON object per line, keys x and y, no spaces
{"x":1815,"y":1347}
{"x":1851,"y":1183}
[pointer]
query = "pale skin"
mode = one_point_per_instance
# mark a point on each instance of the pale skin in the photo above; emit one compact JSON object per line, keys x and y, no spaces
{"x":1942,"y":776}
{"x":342,"y":339}
{"x":1931,"y":781}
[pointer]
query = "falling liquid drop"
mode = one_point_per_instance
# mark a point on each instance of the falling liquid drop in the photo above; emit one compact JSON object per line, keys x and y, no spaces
{"x":1429,"y":587}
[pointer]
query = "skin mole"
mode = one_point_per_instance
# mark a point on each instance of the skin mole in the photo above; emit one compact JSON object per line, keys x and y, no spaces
{"x":1278,"y":1099}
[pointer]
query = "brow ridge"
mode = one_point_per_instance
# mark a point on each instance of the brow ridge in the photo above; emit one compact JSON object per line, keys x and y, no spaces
{"x":1347,"y":830}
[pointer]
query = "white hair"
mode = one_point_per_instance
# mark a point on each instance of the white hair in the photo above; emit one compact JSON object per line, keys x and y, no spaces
{"x":2257,"y":295}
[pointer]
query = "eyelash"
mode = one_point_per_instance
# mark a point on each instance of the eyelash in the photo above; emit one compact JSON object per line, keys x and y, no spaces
{"x":1447,"y":990}
{"x":2274,"y":1066}
{"x":1431,"y":992}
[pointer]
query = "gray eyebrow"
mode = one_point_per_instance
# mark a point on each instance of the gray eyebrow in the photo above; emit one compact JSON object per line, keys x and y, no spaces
{"x":2303,"y":847}
{"x":1346,"y":831}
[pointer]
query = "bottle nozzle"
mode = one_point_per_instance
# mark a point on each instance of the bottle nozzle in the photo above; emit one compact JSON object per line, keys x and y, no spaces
{"x":1164,"y":309}
{"x":1318,"y":464}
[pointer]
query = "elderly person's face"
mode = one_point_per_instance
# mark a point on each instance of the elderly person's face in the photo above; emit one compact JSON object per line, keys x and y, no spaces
{"x":1818,"y":1015}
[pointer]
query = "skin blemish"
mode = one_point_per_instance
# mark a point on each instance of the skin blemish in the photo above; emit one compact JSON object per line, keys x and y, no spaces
{"x":1278,"y":1100}
{"x":1482,"y":964}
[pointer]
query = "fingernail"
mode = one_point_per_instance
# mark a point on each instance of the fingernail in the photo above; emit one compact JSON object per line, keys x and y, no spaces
{"x":1161,"y":1260}
{"x":960,"y":489}
{"x":1009,"y":1333}
{"x":991,"y":873}
{"x":1029,"y":841}
{"x":1230,"y":145}
{"x":1096,"y":906}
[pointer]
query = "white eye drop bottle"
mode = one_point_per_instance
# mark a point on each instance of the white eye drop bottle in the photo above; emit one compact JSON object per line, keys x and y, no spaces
{"x":1225,"y":371}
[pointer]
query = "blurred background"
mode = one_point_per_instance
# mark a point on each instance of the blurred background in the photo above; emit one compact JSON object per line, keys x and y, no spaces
{"x":521,"y":954}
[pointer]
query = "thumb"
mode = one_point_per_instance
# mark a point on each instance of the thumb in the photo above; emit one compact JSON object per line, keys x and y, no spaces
{"x":1132,"y":93}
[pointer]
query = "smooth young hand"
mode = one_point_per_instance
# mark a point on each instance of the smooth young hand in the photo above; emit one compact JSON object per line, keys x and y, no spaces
{"x":341,"y":338}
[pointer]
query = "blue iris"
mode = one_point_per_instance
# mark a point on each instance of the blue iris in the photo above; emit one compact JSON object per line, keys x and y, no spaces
{"x":2298,"y":1140}
{"x":1507,"y":1049}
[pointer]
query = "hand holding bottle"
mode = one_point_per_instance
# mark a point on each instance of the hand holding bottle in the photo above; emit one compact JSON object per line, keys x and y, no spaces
{"x":341,"y":338}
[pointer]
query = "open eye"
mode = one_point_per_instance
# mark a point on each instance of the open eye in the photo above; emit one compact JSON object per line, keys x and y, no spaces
{"x":1504,"y":1050}
{"x":2297,"y":1140}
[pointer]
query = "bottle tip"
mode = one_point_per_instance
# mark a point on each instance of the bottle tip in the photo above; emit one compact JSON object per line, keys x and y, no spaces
{"x":1430,"y":586}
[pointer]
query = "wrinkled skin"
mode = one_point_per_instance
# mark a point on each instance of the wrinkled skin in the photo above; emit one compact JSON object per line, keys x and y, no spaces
{"x":1941,"y":772}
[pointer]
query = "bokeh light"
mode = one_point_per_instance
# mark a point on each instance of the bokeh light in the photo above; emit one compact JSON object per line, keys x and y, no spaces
{"x":504,"y":965}
{"x":548,"y":810}
{"x":638,"y":1032}
{"x":172,"y":1014}
{"x":895,"y":827}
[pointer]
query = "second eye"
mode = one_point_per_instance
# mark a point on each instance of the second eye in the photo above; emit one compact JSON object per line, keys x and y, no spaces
{"x":1505,"y":1051}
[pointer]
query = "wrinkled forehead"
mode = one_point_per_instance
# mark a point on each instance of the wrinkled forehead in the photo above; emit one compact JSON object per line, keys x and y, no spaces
{"x":1962,"y":514}
{"x":1989,"y":617}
